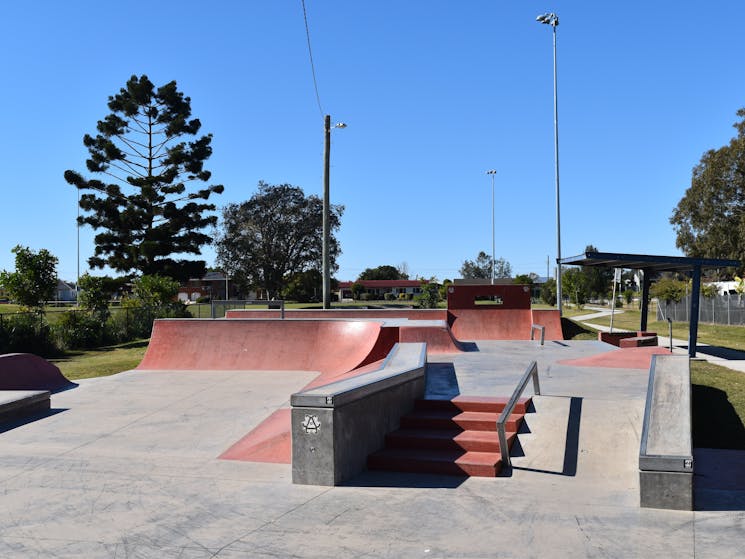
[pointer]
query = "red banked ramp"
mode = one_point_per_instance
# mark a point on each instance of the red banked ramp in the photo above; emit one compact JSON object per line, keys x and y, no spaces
{"x":327,"y":346}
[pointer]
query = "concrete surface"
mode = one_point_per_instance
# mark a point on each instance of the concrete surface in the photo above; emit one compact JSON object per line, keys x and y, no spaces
{"x":125,"y":466}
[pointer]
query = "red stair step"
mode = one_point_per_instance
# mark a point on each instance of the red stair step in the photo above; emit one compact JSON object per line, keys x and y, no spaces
{"x":481,"y":464}
{"x":447,"y":439}
{"x":473,"y":403}
{"x":467,"y":420}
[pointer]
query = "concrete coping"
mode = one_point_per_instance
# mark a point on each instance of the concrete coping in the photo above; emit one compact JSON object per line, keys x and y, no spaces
{"x":404,"y":362}
{"x":666,"y":441}
{"x":16,"y":402}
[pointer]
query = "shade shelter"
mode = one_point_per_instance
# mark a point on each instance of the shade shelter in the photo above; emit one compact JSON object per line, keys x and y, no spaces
{"x":650,"y":265}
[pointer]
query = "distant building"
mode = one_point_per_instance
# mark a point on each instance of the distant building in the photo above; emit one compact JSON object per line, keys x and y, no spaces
{"x":65,"y":291}
{"x":211,"y":285}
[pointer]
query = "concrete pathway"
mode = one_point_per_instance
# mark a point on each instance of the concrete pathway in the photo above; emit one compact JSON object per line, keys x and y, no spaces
{"x":125,"y":466}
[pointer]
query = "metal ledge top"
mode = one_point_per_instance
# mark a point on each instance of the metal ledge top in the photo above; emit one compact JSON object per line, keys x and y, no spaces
{"x":666,"y":442}
{"x":405,"y":362}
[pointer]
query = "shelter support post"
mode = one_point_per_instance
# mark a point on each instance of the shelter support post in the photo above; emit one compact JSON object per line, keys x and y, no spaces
{"x":693,"y":325}
{"x":646,"y":278}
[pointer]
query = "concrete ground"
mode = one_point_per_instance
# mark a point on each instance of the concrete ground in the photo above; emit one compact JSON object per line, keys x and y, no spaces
{"x":125,"y":466}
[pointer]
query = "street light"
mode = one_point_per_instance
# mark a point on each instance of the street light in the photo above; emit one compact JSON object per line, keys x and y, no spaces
{"x":553,"y":20}
{"x":492,"y":172}
{"x":326,"y":271}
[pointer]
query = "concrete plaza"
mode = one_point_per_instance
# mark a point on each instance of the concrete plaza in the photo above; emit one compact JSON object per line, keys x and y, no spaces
{"x":126,"y":466}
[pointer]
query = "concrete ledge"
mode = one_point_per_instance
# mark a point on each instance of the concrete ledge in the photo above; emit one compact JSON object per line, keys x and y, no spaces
{"x":335,"y":427}
{"x":666,"y":452}
{"x":20,"y":403}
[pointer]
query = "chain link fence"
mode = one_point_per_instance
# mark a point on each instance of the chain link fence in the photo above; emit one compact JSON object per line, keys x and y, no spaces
{"x":722,"y":309}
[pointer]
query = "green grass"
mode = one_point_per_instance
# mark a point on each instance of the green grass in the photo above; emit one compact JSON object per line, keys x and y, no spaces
{"x":732,"y":337}
{"x":101,"y":362}
{"x":718,"y":396}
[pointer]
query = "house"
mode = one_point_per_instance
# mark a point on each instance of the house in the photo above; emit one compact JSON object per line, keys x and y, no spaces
{"x":377,"y":289}
{"x":65,"y":291}
{"x":212,"y":285}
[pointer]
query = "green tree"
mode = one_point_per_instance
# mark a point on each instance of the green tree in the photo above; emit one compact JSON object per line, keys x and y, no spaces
{"x":155,"y":291}
{"x":669,"y":289}
{"x":96,"y":293}
{"x":597,"y":279}
{"x":574,"y":285}
{"x":481,"y":267}
{"x":275,"y":234}
{"x":304,"y":287}
{"x":34,"y":280}
{"x":383,"y":273}
{"x":357,"y":290}
{"x":524,"y":279}
{"x":147,"y":159}
{"x":548,"y":292}
{"x":430,"y":295}
{"x":709,"y":220}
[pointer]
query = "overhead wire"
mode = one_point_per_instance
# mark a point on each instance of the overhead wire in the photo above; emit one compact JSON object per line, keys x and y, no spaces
{"x":310,"y":55}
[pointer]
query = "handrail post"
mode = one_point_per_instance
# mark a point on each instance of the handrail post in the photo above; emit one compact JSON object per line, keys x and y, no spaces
{"x":531,"y":371}
{"x":533,"y":328}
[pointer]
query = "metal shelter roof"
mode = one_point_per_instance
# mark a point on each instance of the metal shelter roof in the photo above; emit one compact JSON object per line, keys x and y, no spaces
{"x":647,"y":262}
{"x":651,"y":264}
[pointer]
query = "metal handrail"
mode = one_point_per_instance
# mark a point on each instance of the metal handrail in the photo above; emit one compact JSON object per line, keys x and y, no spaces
{"x":534,"y":327}
{"x":274,"y":303}
{"x":531,"y":371}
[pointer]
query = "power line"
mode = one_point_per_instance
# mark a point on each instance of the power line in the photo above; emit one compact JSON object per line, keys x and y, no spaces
{"x":310,"y":55}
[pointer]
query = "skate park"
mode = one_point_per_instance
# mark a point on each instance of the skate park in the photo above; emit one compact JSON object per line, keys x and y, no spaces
{"x":189,"y":458}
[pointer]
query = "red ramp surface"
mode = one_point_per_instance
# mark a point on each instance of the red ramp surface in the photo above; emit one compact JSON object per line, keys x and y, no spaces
{"x":25,"y":371}
{"x":627,"y":358}
{"x":492,"y":324}
{"x":327,"y":346}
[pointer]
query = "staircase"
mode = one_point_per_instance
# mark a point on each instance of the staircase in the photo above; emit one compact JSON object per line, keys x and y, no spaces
{"x":453,"y":437}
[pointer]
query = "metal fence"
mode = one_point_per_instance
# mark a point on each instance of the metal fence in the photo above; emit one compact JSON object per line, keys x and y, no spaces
{"x":722,"y":309}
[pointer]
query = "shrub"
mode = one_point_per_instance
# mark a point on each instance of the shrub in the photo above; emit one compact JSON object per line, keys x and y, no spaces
{"x":82,"y":330}
{"x":389,"y":297}
{"x":27,"y":333}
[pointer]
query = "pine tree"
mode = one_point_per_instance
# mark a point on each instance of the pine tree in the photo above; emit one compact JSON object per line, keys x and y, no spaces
{"x":147,"y":201}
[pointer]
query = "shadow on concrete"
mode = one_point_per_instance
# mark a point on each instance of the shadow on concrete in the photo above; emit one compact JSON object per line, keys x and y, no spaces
{"x":571,"y":447}
{"x":20,"y":421}
{"x":715,"y":421}
{"x":381,"y":478}
{"x":441,"y":382}
{"x":720,"y":352}
{"x":718,"y":479}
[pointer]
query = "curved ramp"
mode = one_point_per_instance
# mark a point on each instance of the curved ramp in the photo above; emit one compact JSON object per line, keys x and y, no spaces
{"x":327,"y":346}
{"x":492,"y":324}
{"x":551,"y":319}
{"x":25,"y":371}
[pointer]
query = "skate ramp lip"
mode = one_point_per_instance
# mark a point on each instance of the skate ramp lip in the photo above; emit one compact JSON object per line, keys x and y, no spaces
{"x":26,"y":371}
{"x":326,"y":346}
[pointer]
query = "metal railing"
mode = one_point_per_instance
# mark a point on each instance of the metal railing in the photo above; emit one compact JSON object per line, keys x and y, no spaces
{"x":278,"y":304}
{"x":531,"y":371}
{"x":533,"y":328}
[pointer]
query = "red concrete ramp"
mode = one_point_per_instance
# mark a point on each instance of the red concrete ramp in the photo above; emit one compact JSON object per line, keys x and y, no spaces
{"x":492,"y":324}
{"x":25,"y":371}
{"x":626,"y":358}
{"x":439,"y":339}
{"x":551,"y":319}
{"x":328,"y":346}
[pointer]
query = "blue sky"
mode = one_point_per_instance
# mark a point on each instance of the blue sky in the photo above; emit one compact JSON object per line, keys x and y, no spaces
{"x":434,"y":93}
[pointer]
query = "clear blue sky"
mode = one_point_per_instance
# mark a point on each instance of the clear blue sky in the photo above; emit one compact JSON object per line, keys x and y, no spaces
{"x":434,"y":93}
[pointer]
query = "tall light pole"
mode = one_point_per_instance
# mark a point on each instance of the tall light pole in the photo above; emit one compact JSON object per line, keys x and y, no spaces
{"x":492,"y":172}
{"x":553,"y":20}
{"x":326,"y":270}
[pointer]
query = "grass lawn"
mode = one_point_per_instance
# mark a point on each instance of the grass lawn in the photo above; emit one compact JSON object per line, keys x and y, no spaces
{"x":715,"y":334}
{"x":101,"y":362}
